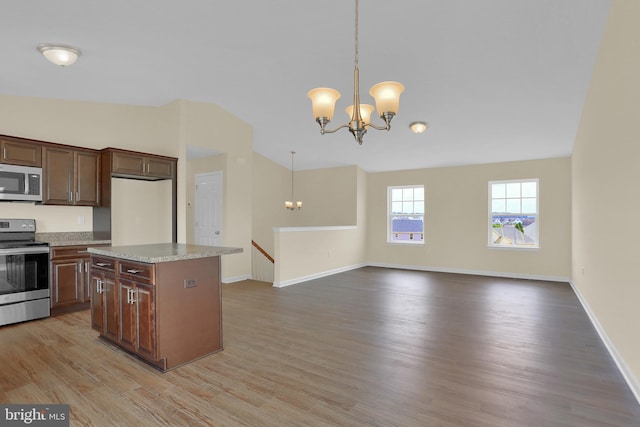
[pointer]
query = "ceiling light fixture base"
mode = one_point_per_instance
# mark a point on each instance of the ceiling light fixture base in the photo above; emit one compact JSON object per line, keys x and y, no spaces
{"x":59,"y":54}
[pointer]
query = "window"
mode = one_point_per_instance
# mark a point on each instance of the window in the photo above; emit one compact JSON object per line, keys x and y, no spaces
{"x":406,"y":214}
{"x":513,"y":213}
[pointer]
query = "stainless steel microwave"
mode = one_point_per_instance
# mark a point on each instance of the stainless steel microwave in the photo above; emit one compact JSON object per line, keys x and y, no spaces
{"x":20,"y":183}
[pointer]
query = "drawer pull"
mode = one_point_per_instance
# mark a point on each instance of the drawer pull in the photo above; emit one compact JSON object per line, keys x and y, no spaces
{"x":134,"y":271}
{"x":82,"y":252}
{"x":103,"y":264}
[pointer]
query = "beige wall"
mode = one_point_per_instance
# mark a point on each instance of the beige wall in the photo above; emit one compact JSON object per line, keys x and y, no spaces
{"x":140,"y":212}
{"x":90,"y":124}
{"x":456,"y":220}
{"x":50,"y":219}
{"x":329,"y":196}
{"x":83,"y":124}
{"x":271,"y":187}
{"x":166,"y":130}
{"x":209,"y":126}
{"x":606,"y":204}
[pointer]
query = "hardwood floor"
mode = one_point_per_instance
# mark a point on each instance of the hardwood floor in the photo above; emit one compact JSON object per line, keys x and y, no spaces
{"x":372,"y":346}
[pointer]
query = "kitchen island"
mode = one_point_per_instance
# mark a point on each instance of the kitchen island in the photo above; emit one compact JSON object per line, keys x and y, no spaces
{"x":159,"y":302}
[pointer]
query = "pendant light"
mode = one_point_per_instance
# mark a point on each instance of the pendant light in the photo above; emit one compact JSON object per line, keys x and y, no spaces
{"x":290,"y":204}
{"x":386,"y":95}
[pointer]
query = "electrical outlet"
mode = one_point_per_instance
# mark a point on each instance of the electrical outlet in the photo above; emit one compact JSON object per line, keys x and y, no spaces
{"x":80,"y":219}
{"x":190,"y":283}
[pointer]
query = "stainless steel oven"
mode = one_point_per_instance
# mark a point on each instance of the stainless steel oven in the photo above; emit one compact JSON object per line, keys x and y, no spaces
{"x":24,"y":272}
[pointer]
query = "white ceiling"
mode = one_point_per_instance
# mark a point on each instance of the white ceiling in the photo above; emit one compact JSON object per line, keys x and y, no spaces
{"x":498,"y":80}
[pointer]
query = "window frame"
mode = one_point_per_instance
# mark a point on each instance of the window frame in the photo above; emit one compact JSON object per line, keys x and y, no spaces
{"x":490,"y":199}
{"x":390,"y":216}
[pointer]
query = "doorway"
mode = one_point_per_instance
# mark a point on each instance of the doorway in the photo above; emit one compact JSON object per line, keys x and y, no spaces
{"x":208,"y":209}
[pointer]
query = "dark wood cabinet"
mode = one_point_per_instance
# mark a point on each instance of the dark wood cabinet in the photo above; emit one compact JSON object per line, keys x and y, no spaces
{"x":70,"y":280}
{"x":166,"y":313}
{"x":137,"y":164}
{"x":70,"y":177}
{"x":105,"y":304}
{"x":137,"y":318}
{"x":123,"y":307}
{"x":20,"y":152}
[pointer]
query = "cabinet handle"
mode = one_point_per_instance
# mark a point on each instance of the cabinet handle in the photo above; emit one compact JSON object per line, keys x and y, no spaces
{"x":99,"y":286}
{"x":103,"y":264}
{"x":130,"y":296}
{"x":134,"y":271}
{"x":77,"y":196}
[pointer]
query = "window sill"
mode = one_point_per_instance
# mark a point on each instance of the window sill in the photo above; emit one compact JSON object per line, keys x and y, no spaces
{"x":515,"y":248}
{"x":405,"y":243}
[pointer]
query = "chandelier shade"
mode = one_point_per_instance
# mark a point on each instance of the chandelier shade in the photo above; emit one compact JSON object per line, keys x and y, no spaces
{"x":323,"y":102}
{"x":386,"y":95}
{"x":365,"y":112}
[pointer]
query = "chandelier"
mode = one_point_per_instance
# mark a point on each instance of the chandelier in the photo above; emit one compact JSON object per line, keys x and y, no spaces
{"x":386,"y":95}
{"x":290,"y":204}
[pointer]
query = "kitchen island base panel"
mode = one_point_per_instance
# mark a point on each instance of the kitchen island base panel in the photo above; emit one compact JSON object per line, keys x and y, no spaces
{"x":165,"y":310}
{"x":189,"y":318}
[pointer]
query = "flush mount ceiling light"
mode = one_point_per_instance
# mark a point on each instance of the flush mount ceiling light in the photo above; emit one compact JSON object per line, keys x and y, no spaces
{"x":386,"y":95}
{"x":290,"y":204}
{"x":59,"y":54}
{"x":419,"y":127}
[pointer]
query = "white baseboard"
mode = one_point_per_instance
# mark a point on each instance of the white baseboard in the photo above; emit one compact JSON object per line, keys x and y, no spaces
{"x":631,"y":380}
{"x":472,"y":272}
{"x":290,"y":282}
{"x":235,"y":279}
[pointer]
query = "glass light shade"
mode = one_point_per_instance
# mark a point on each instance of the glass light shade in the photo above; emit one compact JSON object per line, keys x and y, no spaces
{"x":299,"y":205}
{"x":387,"y":96}
{"x":365,"y":112}
{"x":60,"y":55}
{"x":288,"y":204}
{"x":323,"y":102}
{"x":418,"y":127}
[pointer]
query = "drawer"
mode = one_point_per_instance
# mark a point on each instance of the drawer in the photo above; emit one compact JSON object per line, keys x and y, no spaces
{"x":138,"y":271}
{"x":103,"y":263}
{"x":76,"y":251}
{"x":61,"y":252}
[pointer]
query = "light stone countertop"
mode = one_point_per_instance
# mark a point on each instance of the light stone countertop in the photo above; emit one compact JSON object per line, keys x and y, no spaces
{"x":74,"y":238}
{"x":163,"y":252}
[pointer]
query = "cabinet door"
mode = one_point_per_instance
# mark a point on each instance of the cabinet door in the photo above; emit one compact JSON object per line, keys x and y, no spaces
{"x":87,"y":178}
{"x":111,"y":308}
{"x":57,"y":176}
{"x":125,"y":163}
{"x":127,"y":333}
{"x":146,"y":317}
{"x":24,"y":153}
{"x":97,"y":302}
{"x":161,"y":168}
{"x":66,"y":282}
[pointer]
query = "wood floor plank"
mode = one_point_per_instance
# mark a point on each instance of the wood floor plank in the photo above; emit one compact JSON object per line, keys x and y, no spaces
{"x":368,"y":347}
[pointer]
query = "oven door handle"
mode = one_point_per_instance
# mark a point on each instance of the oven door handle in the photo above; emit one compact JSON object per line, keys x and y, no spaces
{"x":26,"y":250}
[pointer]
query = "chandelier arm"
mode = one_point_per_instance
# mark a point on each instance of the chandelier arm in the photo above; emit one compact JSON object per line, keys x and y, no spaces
{"x":334,"y":130}
{"x":387,"y":127}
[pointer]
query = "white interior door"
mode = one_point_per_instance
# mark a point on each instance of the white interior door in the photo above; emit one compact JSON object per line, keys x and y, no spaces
{"x":208,"y":209}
